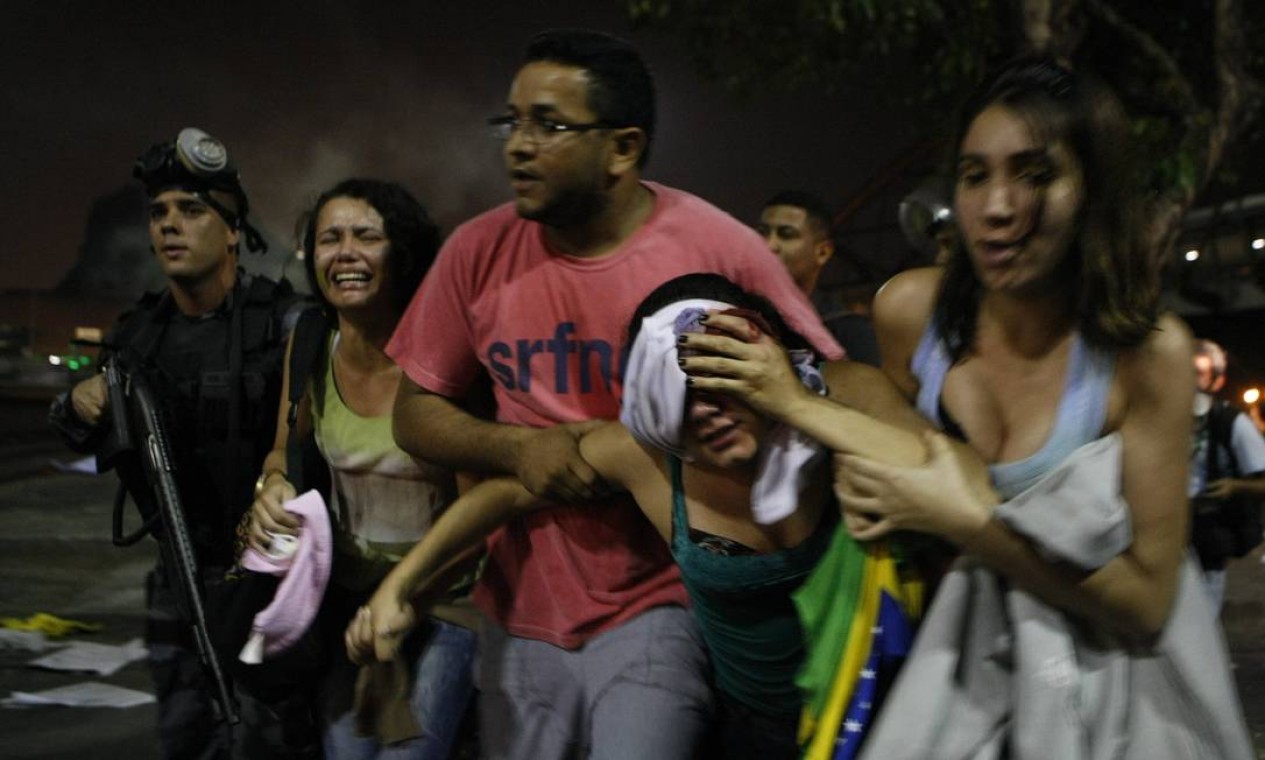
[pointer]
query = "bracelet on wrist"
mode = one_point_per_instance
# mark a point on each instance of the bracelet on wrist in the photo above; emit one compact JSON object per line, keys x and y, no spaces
{"x":262,"y":482}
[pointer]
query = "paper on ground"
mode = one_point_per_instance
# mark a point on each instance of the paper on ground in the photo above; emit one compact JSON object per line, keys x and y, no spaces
{"x":30,"y":641}
{"x":105,"y":659}
{"x":87,"y":694}
{"x":86,"y":465}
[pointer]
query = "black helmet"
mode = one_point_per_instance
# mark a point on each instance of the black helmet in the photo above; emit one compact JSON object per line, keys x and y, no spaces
{"x":198,"y":163}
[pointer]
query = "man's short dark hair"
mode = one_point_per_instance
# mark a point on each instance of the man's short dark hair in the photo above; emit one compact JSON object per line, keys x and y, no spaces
{"x":621,"y":90}
{"x":816,"y":209}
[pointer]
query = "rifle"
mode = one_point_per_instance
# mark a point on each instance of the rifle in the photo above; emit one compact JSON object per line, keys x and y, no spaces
{"x":139,"y":429}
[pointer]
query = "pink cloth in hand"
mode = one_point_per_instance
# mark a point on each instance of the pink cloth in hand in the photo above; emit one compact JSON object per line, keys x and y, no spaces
{"x":305,"y":576}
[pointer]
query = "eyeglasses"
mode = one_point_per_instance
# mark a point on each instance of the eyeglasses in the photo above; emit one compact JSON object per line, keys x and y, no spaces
{"x":539,"y":130}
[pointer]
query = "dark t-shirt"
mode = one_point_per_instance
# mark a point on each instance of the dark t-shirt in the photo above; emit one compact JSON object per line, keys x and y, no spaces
{"x":856,"y":333}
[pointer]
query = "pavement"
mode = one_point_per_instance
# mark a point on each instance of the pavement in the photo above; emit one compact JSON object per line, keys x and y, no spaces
{"x":56,"y":557}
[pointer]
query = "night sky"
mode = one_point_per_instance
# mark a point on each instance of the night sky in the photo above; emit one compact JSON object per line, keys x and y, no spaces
{"x":305,"y":94}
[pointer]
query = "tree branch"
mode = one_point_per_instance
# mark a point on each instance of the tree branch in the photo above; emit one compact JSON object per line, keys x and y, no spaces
{"x":1152,"y":51}
{"x":1236,"y":88}
{"x":1235,"y":96}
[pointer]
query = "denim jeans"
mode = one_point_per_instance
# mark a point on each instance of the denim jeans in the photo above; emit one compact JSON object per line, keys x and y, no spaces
{"x":442,"y":689}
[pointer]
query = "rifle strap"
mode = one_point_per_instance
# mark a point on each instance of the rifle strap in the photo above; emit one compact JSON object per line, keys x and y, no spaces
{"x":121,"y":539}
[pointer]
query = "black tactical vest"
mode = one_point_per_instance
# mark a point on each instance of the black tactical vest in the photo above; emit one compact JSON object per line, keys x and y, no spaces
{"x":219,"y":379}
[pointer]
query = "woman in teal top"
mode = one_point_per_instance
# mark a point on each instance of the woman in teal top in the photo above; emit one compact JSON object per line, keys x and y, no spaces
{"x":699,"y":488}
{"x":742,"y":600}
{"x":367,"y":245}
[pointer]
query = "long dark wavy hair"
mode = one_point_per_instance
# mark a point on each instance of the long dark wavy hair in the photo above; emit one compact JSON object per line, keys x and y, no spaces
{"x":1114,"y":281}
{"x":414,"y":238}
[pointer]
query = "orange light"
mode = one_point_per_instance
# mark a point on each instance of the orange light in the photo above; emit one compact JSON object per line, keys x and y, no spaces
{"x":1251,"y":395}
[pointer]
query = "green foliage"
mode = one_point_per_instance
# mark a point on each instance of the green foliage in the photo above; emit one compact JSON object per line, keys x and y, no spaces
{"x":1158,"y":54}
{"x":753,"y":45}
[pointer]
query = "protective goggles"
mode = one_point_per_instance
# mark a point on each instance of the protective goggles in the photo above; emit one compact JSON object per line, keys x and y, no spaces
{"x":198,"y":163}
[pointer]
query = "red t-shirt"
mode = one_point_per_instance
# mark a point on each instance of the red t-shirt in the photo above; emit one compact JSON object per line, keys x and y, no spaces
{"x":549,"y":330}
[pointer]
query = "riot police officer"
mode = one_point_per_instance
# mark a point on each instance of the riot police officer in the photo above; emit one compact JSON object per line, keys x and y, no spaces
{"x":211,"y":345}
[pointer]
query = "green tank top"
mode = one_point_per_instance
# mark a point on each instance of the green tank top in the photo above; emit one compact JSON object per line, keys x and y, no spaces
{"x":744,"y":609}
{"x":382,"y":500}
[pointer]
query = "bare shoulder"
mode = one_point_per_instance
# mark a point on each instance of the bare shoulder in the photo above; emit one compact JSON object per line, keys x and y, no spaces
{"x":909,"y":297}
{"x":902,"y":310}
{"x":615,"y":454}
{"x":1168,"y":348}
{"x":637,"y":468}
{"x":1157,"y":374}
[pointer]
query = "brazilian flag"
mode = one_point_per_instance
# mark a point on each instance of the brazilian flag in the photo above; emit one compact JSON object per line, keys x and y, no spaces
{"x":857,"y":614}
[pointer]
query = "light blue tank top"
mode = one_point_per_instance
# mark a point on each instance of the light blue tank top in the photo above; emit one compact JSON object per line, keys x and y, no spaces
{"x":1080,"y":418}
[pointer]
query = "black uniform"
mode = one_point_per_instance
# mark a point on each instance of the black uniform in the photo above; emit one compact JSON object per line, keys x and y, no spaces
{"x":219,"y":379}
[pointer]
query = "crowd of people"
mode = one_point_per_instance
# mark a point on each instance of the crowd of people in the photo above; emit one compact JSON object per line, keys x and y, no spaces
{"x":599,"y":482}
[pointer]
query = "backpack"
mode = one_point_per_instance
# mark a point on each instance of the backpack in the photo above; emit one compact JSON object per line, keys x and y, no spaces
{"x":1231,"y":527}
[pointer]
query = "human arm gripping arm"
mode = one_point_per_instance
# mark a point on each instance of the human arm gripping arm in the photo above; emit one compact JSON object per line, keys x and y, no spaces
{"x":546,"y":460}
{"x":380,"y":626}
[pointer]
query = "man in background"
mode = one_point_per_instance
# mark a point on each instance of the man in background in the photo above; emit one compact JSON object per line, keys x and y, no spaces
{"x":1227,"y":465}
{"x":797,"y":227}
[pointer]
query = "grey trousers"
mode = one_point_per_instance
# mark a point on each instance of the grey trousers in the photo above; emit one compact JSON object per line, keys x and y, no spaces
{"x":638,"y":691}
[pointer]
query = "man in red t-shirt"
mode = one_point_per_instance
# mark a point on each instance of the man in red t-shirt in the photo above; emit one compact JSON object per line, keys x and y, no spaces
{"x":590,"y":651}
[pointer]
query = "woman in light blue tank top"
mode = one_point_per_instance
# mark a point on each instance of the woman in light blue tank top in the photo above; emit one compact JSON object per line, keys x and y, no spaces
{"x":1089,"y":636}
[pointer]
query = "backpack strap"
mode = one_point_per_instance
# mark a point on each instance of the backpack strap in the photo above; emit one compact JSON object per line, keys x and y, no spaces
{"x":304,"y":466}
{"x":310,"y":334}
{"x":1220,"y":436}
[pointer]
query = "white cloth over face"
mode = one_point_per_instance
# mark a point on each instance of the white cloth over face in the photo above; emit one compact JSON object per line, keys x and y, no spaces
{"x":654,"y":399}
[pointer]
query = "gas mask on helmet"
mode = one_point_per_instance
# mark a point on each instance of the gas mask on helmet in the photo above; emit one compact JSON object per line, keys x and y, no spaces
{"x":198,"y":163}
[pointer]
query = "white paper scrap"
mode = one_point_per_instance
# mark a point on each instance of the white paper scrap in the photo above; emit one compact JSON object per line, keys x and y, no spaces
{"x":30,"y":641}
{"x":86,"y":465}
{"x":87,"y":694}
{"x":89,"y":657}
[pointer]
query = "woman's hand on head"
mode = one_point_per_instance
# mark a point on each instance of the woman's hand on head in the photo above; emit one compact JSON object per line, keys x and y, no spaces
{"x":267,"y":515}
{"x":742,"y":362}
{"x":380,"y":626}
{"x":942,"y":496}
